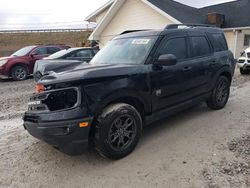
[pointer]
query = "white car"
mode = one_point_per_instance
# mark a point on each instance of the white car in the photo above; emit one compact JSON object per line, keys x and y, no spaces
{"x":244,"y":62}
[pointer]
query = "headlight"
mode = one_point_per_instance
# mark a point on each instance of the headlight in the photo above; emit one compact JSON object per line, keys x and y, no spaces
{"x":2,"y":62}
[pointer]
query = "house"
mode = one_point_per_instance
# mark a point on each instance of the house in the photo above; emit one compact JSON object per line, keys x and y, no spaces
{"x":117,"y":16}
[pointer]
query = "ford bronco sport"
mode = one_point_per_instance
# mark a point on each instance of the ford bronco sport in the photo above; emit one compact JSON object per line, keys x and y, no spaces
{"x":137,"y":79}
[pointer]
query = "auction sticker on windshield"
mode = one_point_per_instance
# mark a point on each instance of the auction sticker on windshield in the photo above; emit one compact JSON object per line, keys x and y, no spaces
{"x":140,"y":41}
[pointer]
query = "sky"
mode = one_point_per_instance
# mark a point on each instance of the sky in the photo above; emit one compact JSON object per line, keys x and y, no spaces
{"x":45,"y":14}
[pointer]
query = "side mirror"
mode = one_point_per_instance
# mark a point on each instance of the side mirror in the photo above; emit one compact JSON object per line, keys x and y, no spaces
{"x":167,"y":60}
{"x":33,"y":54}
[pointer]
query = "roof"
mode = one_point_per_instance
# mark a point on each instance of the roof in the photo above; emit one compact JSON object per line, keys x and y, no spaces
{"x":236,"y":12}
{"x":190,"y":29}
{"x":92,"y":16}
{"x":179,"y":11}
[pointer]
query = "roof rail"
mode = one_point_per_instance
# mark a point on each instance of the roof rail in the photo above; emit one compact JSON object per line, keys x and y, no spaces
{"x":176,"y":26}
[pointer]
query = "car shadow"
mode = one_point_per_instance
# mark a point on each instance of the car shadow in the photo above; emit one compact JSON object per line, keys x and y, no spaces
{"x":11,"y":80}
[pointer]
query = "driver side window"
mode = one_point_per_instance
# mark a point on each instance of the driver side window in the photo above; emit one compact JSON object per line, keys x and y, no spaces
{"x":175,"y":46}
{"x":40,"y":51}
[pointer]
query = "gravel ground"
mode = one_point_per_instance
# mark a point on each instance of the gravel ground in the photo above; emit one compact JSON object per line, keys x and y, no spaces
{"x":196,"y":148}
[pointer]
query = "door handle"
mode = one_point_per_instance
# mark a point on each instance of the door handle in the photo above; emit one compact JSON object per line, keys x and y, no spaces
{"x":185,"y":69}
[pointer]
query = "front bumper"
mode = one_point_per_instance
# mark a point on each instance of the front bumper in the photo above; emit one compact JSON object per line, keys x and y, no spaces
{"x":2,"y":75}
{"x":244,"y":65}
{"x":67,"y":136}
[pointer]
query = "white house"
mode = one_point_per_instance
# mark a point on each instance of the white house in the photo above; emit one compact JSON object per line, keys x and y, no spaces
{"x":118,"y":16}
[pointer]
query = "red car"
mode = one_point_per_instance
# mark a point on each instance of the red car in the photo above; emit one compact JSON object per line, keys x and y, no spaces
{"x":21,"y":64}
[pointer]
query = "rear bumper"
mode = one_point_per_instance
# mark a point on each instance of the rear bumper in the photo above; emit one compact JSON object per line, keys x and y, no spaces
{"x":67,"y":136}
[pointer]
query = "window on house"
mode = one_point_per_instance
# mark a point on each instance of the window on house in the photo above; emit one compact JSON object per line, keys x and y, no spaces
{"x":247,"y":40}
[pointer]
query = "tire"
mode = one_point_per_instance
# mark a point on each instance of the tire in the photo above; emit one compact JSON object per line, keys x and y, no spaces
{"x":19,"y":73}
{"x":244,"y":72}
{"x":220,"y":94}
{"x":118,"y":131}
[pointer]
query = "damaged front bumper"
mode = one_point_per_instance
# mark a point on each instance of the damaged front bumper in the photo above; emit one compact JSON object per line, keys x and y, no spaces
{"x":245,"y":65}
{"x":66,"y":128}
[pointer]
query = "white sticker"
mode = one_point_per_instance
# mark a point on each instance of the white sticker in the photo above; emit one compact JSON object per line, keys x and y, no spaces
{"x":140,"y":41}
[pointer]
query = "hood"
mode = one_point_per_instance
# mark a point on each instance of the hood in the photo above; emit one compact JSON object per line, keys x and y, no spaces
{"x":89,"y":72}
{"x":4,"y":58}
{"x":44,"y":66}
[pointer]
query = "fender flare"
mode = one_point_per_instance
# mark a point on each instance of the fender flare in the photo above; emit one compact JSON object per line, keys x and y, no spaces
{"x":119,"y":95}
{"x":226,"y":71}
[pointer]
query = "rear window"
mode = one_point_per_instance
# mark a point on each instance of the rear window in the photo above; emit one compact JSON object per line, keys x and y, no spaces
{"x":219,"y":43}
{"x":200,"y":46}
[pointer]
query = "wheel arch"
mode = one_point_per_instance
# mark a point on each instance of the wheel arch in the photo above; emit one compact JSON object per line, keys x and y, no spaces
{"x":224,"y":71}
{"x":128,"y":97}
{"x":19,"y":64}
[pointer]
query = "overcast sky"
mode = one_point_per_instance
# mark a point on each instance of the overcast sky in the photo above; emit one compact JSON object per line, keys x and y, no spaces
{"x":29,"y":14}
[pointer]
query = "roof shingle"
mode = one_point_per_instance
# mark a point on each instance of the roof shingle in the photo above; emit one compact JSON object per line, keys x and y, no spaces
{"x":237,"y":13}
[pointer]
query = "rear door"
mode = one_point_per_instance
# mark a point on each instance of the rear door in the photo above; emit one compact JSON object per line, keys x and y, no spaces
{"x":196,"y":72}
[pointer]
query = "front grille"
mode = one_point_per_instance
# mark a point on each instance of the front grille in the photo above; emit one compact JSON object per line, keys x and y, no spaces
{"x":55,"y":100}
{"x":60,"y":100}
{"x":241,"y":61}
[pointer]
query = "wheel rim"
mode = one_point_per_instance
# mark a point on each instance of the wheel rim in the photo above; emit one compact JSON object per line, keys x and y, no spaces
{"x":20,"y":73}
{"x":122,"y":132}
{"x":222,"y":92}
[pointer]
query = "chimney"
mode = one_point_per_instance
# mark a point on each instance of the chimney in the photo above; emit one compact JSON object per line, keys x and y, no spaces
{"x":216,"y":19}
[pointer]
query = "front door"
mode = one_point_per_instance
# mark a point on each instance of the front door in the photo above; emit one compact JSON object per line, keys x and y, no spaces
{"x":167,"y":81}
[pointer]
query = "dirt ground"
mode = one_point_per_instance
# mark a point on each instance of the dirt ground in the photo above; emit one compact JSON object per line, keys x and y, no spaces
{"x":196,"y":148}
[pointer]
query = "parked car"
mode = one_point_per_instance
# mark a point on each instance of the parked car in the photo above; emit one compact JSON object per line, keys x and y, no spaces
{"x":244,"y":62}
{"x":63,"y":60}
{"x":21,"y":63}
{"x":136,"y":79}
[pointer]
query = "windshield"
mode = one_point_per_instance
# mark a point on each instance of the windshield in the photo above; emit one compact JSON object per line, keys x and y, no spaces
{"x":248,"y":55}
{"x":125,"y":51}
{"x":24,"y":51}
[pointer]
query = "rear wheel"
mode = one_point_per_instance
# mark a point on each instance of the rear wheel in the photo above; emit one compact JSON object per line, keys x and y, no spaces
{"x":19,"y":73}
{"x":118,"y":131}
{"x":220,"y":94}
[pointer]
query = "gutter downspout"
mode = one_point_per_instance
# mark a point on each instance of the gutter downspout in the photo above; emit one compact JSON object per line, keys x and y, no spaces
{"x":235,"y":41}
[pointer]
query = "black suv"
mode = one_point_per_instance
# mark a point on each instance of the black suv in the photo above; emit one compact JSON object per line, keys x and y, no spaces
{"x":137,"y":79}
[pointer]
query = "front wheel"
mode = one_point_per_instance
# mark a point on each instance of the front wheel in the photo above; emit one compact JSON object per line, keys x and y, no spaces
{"x":19,"y":73}
{"x":118,"y":131}
{"x":243,"y":72}
{"x":220,"y":94}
